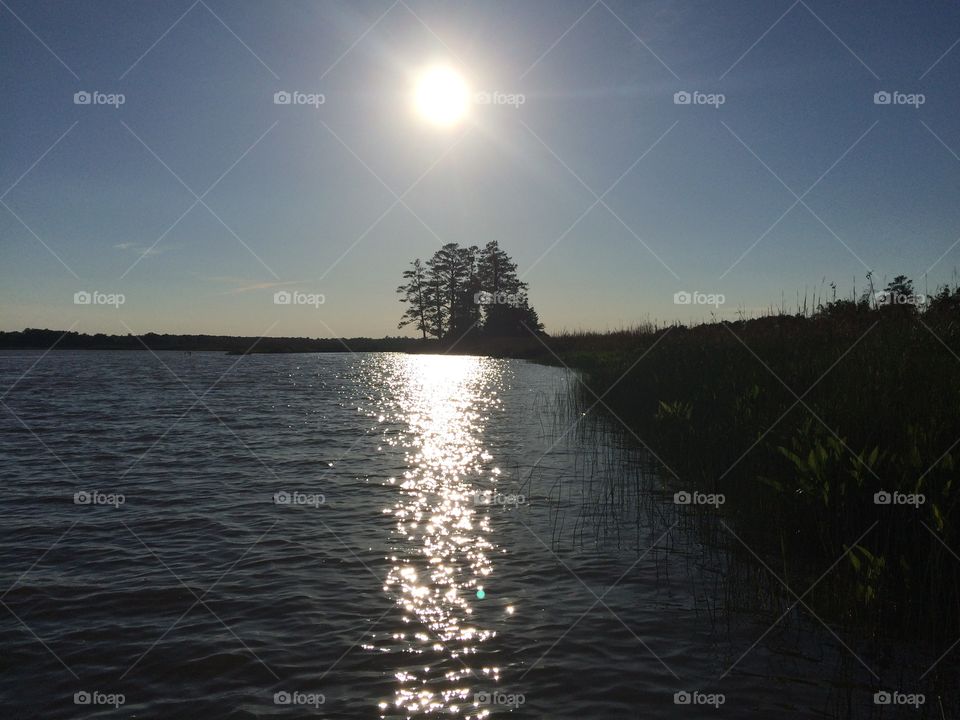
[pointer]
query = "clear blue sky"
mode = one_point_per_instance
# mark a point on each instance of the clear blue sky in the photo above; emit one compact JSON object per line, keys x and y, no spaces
{"x":290,"y":201}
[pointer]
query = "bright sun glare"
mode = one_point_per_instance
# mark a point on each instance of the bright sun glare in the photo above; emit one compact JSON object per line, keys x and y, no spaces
{"x":441,"y":96}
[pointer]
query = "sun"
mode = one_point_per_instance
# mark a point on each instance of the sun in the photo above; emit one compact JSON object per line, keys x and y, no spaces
{"x":441,"y":96}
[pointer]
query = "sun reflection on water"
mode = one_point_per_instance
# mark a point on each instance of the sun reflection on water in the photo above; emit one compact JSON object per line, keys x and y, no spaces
{"x":442,"y":547}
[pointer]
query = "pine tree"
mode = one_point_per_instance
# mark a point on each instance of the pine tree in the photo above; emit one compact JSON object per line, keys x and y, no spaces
{"x":506,"y":310}
{"x":450,"y":270}
{"x":497,"y":271}
{"x":468,"y":317}
{"x":416,"y":293}
{"x":466,"y":290}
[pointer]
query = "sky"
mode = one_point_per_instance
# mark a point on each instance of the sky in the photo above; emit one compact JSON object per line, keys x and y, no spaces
{"x":198,"y":197}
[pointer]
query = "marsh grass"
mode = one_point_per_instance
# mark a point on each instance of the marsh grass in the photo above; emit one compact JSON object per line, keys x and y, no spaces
{"x":799,"y":420}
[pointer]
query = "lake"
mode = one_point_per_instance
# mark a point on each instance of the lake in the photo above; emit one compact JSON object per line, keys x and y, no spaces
{"x":375,"y":535}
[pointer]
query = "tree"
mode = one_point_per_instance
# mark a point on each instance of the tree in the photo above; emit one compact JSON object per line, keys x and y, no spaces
{"x":436,"y":316}
{"x":497,"y":271}
{"x":945,"y":301}
{"x":466,"y":290}
{"x":468,"y":317}
{"x":451,"y":268}
{"x":506,"y":294}
{"x":416,"y":293}
{"x":899,"y":294}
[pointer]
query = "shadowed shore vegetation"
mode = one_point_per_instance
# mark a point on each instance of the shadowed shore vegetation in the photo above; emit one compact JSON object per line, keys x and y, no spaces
{"x":834,"y":437}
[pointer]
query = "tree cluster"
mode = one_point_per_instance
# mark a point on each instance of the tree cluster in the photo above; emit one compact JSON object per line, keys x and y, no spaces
{"x":464,"y":291}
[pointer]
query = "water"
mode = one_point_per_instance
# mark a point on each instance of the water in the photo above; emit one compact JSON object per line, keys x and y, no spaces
{"x":372,"y":536}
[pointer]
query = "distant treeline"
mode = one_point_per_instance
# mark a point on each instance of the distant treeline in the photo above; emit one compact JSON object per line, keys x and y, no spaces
{"x":61,"y":340}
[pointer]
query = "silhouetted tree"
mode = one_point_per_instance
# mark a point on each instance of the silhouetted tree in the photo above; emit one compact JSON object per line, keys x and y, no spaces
{"x":945,"y":301}
{"x":899,"y":295}
{"x":467,"y":319}
{"x":467,"y":290}
{"x":505,"y":293}
{"x":416,"y":293}
{"x":437,"y":314}
{"x":449,"y":267}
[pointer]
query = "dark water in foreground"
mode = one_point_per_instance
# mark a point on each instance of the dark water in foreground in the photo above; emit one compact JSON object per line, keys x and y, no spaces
{"x":204,"y":536}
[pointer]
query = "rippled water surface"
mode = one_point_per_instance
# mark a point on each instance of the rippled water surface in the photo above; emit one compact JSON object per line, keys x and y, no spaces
{"x":383,"y":535}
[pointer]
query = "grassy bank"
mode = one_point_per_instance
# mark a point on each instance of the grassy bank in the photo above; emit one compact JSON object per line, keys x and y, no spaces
{"x":800,"y":421}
